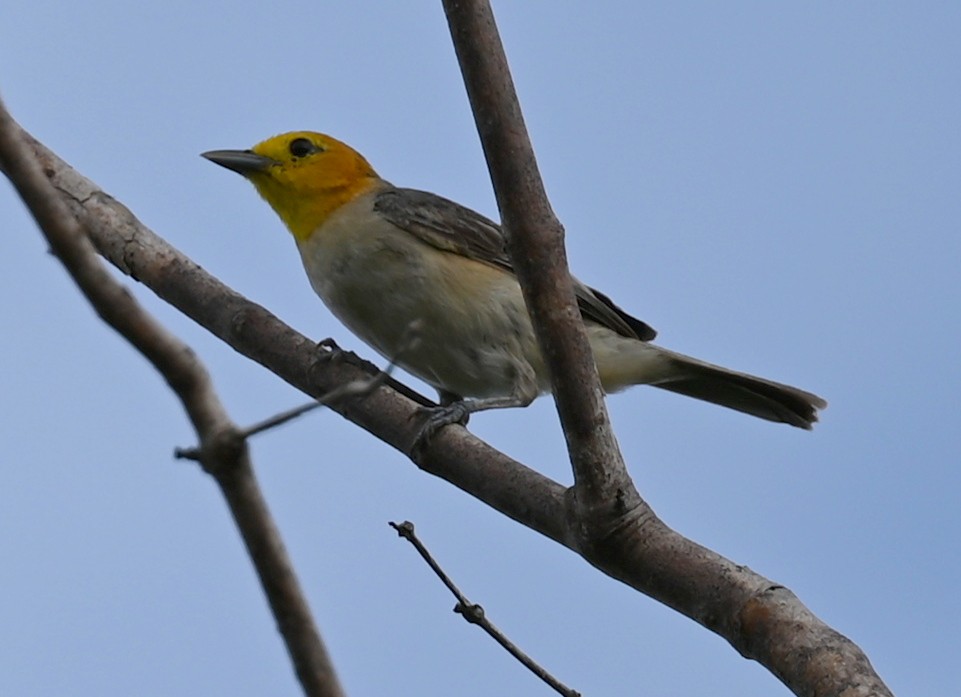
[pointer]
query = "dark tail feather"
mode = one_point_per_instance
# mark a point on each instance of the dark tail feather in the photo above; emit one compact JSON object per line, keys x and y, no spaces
{"x":752,"y":395}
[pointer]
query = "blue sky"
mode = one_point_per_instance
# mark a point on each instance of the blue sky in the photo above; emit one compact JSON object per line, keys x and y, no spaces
{"x":773,"y":187}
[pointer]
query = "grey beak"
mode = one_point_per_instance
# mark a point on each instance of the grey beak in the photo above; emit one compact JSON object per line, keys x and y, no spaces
{"x":240,"y":161}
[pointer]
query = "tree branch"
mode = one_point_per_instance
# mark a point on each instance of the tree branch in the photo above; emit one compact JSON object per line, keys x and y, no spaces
{"x":390,"y":412}
{"x":536,"y":241}
{"x":617,"y":529}
{"x":760,"y":618}
{"x":223,"y":452}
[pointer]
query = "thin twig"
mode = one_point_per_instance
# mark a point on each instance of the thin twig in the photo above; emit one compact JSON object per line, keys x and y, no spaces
{"x":353,"y":389}
{"x":474,"y":614}
{"x":224,"y":455}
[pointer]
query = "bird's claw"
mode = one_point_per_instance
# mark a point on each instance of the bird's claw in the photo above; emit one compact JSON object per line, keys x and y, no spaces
{"x":327,"y":350}
{"x":437,"y":418}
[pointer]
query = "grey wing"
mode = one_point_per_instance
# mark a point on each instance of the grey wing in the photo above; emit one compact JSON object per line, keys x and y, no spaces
{"x":449,"y":226}
{"x":599,"y":308}
{"x":445,"y":225}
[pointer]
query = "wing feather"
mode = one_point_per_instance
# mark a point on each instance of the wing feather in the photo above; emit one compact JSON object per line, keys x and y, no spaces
{"x":451,"y":227}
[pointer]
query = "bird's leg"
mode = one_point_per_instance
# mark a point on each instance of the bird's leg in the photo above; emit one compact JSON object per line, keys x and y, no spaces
{"x":445,"y":398}
{"x":454,"y":409}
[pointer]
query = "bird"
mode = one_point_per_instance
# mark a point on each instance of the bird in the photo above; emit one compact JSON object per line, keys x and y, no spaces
{"x":386,"y":259}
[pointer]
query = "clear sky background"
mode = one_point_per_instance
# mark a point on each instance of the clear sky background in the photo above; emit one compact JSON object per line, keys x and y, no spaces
{"x":774,"y":187}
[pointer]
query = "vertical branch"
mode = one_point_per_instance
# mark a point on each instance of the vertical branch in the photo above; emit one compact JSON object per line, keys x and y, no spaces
{"x":223,"y":452}
{"x":536,"y":241}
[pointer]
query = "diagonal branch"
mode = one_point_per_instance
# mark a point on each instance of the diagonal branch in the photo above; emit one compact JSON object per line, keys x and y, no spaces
{"x":390,"y":412}
{"x":223,"y":451}
{"x":760,"y":618}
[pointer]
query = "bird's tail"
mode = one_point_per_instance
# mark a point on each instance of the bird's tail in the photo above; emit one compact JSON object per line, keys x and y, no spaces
{"x":752,"y":395}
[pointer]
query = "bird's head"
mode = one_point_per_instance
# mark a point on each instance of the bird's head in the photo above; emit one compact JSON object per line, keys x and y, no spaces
{"x":304,"y":176}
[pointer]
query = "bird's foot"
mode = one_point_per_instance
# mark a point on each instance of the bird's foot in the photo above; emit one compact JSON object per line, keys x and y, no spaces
{"x":436,"y":418}
{"x":327,"y":351}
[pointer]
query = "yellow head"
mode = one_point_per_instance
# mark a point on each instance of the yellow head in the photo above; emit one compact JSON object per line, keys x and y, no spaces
{"x":304,"y":176}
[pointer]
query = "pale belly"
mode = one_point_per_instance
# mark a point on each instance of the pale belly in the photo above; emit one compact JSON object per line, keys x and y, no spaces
{"x":458,"y":324}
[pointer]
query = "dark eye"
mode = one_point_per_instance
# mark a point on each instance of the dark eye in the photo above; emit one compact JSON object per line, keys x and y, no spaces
{"x":301,"y":147}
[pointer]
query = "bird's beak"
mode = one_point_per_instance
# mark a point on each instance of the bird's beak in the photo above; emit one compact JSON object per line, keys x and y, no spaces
{"x":241,"y":161}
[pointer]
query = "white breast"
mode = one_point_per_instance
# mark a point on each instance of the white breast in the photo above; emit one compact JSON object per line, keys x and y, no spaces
{"x":474,"y":335}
